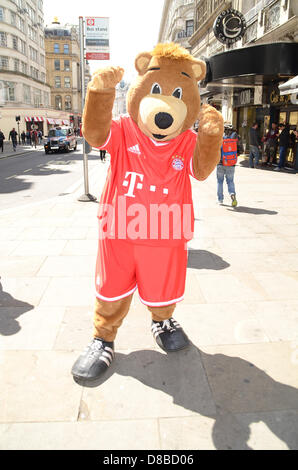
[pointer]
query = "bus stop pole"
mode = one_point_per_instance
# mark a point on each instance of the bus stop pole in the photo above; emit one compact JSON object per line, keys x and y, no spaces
{"x":86,"y":196}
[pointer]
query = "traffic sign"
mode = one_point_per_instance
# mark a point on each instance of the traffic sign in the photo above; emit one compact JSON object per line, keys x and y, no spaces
{"x":97,"y":42}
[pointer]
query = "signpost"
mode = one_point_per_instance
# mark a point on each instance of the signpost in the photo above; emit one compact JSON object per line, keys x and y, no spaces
{"x":97,"y":38}
{"x":94,"y":45}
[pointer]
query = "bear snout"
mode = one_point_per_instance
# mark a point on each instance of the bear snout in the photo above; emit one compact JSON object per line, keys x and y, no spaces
{"x":163,"y":120}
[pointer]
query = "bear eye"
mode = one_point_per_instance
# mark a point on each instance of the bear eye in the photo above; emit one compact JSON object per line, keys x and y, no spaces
{"x":156,"y":89}
{"x":178,"y":93}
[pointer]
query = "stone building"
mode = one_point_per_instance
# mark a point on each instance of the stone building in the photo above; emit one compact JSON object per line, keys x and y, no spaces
{"x":63,"y":71}
{"x":177,"y":22}
{"x":24,"y":90}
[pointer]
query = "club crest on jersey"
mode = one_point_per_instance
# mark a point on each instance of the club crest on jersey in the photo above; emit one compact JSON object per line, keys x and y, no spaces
{"x":177,"y":163}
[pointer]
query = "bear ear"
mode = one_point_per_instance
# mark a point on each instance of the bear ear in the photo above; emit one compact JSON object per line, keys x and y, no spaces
{"x":142,"y":62}
{"x":199,"y":69}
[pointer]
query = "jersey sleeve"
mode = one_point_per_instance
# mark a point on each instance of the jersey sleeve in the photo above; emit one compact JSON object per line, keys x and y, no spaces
{"x":113,"y":141}
{"x":192,"y":147}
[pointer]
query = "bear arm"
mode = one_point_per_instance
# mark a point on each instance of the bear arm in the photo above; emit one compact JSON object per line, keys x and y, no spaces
{"x":206,"y":156}
{"x":97,"y":116}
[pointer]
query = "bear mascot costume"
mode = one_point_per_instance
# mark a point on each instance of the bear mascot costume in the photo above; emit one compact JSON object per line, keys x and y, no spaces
{"x":146,"y":211}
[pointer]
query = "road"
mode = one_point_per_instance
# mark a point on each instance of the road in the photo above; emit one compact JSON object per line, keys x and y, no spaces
{"x":34,"y":176}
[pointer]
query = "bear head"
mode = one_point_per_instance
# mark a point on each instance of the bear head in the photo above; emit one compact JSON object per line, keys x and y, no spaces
{"x":165,"y":100}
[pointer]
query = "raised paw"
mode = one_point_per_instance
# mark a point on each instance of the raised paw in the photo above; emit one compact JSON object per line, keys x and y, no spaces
{"x":210,"y":121}
{"x":105,"y":78}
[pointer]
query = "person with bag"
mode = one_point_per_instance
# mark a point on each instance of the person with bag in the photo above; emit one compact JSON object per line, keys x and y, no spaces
{"x":226,"y":166}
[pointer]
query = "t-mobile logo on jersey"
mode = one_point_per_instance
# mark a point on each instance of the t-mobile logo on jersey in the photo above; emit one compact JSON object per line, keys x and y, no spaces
{"x":136,"y":182}
{"x":132,"y":183}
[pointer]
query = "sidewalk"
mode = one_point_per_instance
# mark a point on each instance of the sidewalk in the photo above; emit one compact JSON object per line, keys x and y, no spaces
{"x":8,"y":150}
{"x":235,"y":387}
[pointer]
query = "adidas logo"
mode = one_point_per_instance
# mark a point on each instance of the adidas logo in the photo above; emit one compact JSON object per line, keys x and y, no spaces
{"x":135,"y":149}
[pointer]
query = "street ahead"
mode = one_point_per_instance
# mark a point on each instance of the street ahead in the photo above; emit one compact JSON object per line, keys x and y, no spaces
{"x":34,"y":176}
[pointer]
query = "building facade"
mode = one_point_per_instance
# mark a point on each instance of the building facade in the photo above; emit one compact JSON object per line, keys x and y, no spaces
{"x":63,"y":71}
{"x":243,"y":78}
{"x":177,"y":22}
{"x":24,"y":90}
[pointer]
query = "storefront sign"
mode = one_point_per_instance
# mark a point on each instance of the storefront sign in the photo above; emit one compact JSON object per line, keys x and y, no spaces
{"x":229,"y":26}
{"x":275,"y":98}
{"x":97,"y":43}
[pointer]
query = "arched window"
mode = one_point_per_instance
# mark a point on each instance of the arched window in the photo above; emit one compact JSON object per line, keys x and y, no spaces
{"x":58,"y":102}
{"x":67,"y":103}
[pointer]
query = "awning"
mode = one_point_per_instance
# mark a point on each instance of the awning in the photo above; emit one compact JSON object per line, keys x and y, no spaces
{"x":65,"y":122}
{"x":58,"y":122}
{"x":290,"y":87}
{"x":251,"y":66}
{"x":36,"y":118}
{"x":51,"y":121}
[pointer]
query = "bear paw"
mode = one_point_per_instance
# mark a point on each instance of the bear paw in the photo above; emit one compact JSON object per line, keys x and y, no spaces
{"x":106,"y":78}
{"x":210,"y":121}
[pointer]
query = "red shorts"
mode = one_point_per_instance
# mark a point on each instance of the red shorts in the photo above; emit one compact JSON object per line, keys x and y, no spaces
{"x":157,"y":272}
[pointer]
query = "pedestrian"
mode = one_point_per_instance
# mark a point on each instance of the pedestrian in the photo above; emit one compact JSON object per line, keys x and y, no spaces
{"x":39,"y":137}
{"x":33,"y":138}
{"x":254,"y":146}
{"x":227,"y":170}
{"x":2,"y":138}
{"x":271,"y":141}
{"x":284,"y":143}
{"x":28,"y":138}
{"x":23,"y":137}
{"x":102,"y":155}
{"x":13,"y":136}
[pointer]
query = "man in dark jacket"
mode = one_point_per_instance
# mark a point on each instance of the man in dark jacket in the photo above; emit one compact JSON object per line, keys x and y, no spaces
{"x":2,"y":138}
{"x":284,"y":142}
{"x":254,"y":146}
{"x":13,"y":137}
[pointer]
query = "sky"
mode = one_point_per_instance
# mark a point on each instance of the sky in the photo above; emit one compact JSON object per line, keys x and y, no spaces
{"x":134,"y":26}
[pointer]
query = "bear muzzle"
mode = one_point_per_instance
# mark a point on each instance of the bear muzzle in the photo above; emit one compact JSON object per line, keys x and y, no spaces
{"x":162,"y":116}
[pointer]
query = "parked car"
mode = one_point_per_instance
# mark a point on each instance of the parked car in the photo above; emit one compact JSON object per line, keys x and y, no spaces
{"x":60,"y":138}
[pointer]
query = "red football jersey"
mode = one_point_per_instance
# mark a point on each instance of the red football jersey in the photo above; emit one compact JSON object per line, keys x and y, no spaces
{"x":147,"y":196}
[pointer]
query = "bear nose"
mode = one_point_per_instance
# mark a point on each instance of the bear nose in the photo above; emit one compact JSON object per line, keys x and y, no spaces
{"x":163,"y":120}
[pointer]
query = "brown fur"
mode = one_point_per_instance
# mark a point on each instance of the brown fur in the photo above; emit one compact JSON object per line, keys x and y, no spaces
{"x":173,"y":62}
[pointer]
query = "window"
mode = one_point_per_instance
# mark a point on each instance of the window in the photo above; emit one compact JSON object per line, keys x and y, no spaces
{"x":67,"y":103}
{"x":58,"y":102}
{"x":66,"y":82}
{"x":56,"y":48}
{"x":22,"y":47}
{"x":3,"y":39}
{"x":42,"y":77}
{"x":189,"y":28}
{"x":8,"y":90}
{"x":3,"y":63}
{"x":46,"y":100}
{"x":57,"y":64}
{"x":13,"y":18}
{"x":33,"y":54}
{"x":27,"y":94}
{"x":16,"y":65}
{"x":66,"y":65}
{"x":15,"y":42}
{"x":57,"y":82}
{"x":22,"y":25}
{"x":37,"y":98}
{"x":1,"y":14}
{"x":34,"y":72}
{"x":24,"y":68}
{"x":66,"y":48}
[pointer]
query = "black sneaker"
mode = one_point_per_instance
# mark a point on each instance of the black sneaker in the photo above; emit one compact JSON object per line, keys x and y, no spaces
{"x":169,"y":335}
{"x":94,"y":360}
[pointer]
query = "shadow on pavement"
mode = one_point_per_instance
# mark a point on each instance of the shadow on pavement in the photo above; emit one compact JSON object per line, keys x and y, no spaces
{"x":243,"y":393}
{"x":203,"y":259}
{"x":252,"y":210}
{"x":10,"y":310}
